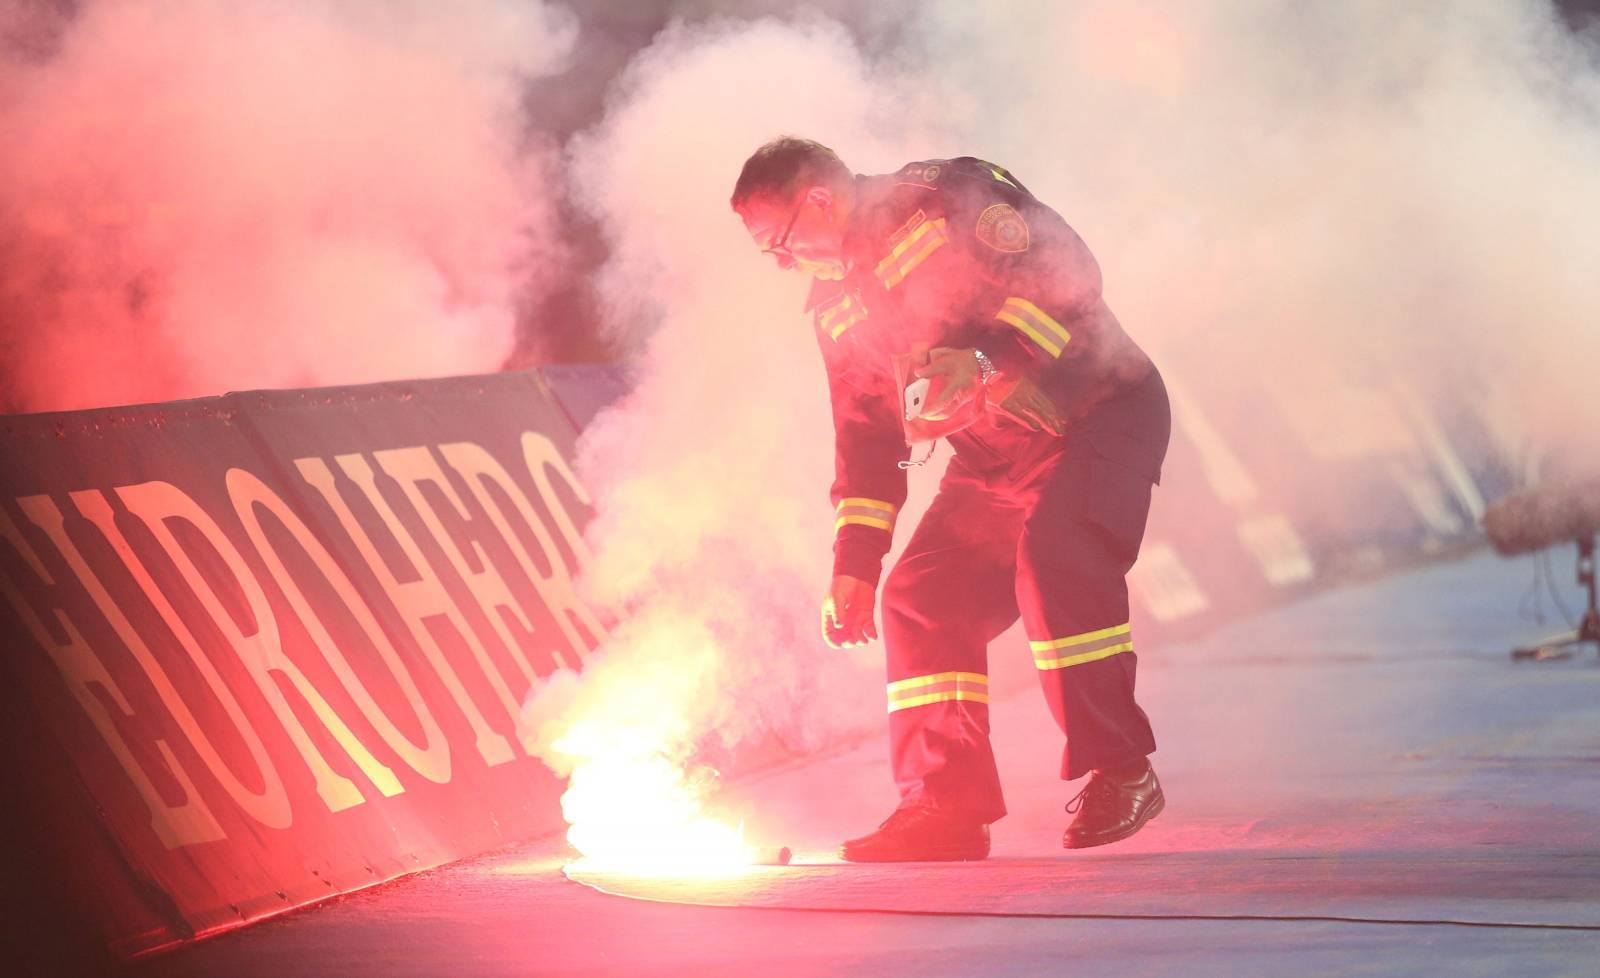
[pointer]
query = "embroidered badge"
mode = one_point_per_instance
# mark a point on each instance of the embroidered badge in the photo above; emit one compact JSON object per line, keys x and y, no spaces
{"x":910,"y":225}
{"x":1003,"y":229}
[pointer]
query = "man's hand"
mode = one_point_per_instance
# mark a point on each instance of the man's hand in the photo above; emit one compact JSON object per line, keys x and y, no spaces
{"x":955,"y":381}
{"x":847,"y":612}
{"x":1032,"y":407}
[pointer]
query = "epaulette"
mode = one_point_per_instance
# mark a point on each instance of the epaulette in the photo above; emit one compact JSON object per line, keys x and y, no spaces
{"x":984,"y":170}
{"x":927,"y":173}
{"x":924,"y":174}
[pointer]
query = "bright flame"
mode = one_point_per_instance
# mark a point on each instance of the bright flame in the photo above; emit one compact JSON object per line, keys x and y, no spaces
{"x":626,"y":735}
{"x":632,"y":809}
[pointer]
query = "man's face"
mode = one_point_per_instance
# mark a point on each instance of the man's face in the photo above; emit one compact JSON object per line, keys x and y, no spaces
{"x":803,"y":234}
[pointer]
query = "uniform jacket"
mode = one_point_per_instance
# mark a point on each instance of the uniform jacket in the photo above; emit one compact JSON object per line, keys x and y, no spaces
{"x":954,"y":253}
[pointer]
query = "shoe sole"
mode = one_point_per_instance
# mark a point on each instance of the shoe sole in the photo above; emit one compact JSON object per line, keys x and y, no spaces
{"x":935,"y":856}
{"x":1156,"y":807}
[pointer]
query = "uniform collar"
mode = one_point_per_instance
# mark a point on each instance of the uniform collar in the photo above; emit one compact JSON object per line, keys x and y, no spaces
{"x":857,"y":237}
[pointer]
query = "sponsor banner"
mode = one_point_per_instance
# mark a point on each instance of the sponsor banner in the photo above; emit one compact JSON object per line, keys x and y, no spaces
{"x":277,"y":641}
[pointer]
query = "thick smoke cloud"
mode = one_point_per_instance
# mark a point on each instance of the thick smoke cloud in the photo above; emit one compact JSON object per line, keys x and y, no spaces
{"x":198,"y":196}
{"x":710,"y":480}
{"x":1319,"y":205}
{"x":1362,"y":191}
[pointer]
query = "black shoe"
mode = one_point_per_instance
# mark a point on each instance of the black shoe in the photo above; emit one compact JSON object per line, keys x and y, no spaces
{"x":1113,"y":806}
{"x":920,"y":835}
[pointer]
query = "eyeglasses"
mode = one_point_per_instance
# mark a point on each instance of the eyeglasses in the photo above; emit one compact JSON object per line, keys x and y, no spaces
{"x":780,"y":245}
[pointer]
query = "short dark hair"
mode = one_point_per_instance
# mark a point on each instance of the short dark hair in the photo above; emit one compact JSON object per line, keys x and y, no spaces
{"x":786,"y":165}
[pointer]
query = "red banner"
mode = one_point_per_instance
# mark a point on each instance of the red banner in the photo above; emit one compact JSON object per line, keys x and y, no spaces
{"x":276,"y":642}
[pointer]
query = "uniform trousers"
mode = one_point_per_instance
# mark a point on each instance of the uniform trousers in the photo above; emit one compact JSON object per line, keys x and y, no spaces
{"x":1051,"y":539}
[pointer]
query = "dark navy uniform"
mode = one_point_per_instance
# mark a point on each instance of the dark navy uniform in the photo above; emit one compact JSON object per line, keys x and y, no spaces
{"x":957,"y":253}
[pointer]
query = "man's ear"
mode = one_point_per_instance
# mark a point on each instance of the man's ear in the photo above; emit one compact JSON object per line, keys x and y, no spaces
{"x":821,"y":196}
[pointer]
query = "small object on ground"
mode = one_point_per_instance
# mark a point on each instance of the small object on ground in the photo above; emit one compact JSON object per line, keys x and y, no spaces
{"x":772,"y":856}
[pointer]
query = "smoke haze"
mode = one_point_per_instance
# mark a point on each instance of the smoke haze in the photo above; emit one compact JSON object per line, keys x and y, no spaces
{"x":1293,"y":202}
{"x":197,"y":197}
{"x":1309,"y":204}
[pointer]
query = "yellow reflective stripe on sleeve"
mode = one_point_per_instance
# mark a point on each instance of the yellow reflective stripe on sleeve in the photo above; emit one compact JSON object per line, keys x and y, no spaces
{"x":1084,"y":647}
{"x":843,"y":521}
{"x":842,"y":315}
{"x":887,"y":507}
{"x":928,"y":237}
{"x":939,"y":687}
{"x":859,"y":511}
{"x":1035,"y":323}
{"x":1032,"y":334}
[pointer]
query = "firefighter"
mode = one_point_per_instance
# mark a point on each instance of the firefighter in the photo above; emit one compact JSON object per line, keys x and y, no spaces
{"x":950,"y":279}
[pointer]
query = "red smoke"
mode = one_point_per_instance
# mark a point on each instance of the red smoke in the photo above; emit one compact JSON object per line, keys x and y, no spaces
{"x":1339,"y":211}
{"x":197,"y":197}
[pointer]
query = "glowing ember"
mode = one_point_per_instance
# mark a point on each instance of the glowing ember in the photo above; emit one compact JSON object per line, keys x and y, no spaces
{"x":636,"y":811}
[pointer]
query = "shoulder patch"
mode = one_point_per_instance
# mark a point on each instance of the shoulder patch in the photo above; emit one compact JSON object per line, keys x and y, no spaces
{"x":1003,"y":229}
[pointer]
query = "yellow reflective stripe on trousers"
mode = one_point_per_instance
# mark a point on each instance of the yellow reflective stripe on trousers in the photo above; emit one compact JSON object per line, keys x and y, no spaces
{"x":859,"y":511}
{"x":1035,"y":323}
{"x":1073,"y":650}
{"x":939,"y":687}
{"x":929,"y":237}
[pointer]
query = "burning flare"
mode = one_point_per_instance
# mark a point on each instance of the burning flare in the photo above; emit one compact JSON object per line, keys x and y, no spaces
{"x":622,"y":733}
{"x":633,"y":809}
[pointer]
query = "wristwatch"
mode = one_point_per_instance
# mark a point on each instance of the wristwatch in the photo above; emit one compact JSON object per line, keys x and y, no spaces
{"x":986,"y":370}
